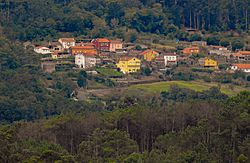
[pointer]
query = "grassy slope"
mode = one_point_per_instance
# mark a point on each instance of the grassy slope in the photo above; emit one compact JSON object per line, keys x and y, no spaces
{"x":194,"y":85}
{"x":108,"y":72}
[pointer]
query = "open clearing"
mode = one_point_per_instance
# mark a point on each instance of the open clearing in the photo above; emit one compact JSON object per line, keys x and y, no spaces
{"x":194,"y":85}
{"x":158,"y":87}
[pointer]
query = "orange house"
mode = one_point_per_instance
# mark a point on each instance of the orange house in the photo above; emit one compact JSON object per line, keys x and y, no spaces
{"x":149,"y":55}
{"x":83,"y":49}
{"x":242,"y":55}
{"x":191,"y":50}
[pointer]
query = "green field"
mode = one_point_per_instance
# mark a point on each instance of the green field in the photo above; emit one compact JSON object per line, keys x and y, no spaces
{"x":194,"y":85}
{"x":108,"y":72}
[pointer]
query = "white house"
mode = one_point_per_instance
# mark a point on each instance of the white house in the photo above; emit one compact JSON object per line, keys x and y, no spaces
{"x":170,"y":59}
{"x":42,"y":50}
{"x":86,"y":60}
{"x":67,"y":42}
{"x":115,"y":45}
{"x":242,"y":67}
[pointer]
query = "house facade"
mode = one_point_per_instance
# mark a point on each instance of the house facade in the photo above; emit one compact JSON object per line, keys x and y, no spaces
{"x":83,"y":49}
{"x":101,"y":44}
{"x":210,"y":63}
{"x":170,"y":59}
{"x":219,"y":50}
{"x":191,"y":50}
{"x":149,"y":55}
{"x":129,"y":64}
{"x":115,"y":45}
{"x":242,"y":55}
{"x":86,"y":60}
{"x":55,"y":46}
{"x":42,"y":50}
{"x":241,"y":67}
{"x":67,"y":42}
{"x":207,"y":62}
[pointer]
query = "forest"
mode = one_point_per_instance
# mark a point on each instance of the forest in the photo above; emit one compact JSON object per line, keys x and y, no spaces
{"x":40,"y":122}
{"x":34,"y":19}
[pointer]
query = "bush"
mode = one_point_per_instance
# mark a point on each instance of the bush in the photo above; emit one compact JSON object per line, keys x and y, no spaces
{"x":213,"y":40}
{"x":224,"y":43}
{"x":239,"y":74}
{"x":248,"y":78}
{"x":82,"y":82}
{"x":146,"y":71}
{"x":202,"y":70}
{"x":222,"y":67}
{"x":223,"y":78}
{"x":207,"y":79}
{"x":109,"y":83}
{"x":184,"y":76}
{"x":138,"y":47}
{"x":195,"y":37}
{"x":237,"y":44}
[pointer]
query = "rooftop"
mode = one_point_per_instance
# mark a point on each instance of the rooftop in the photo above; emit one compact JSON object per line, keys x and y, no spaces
{"x":242,"y":66}
{"x":83,"y":47}
{"x":67,"y":39}
{"x":102,"y":40}
{"x":244,"y":52}
{"x":147,"y":51}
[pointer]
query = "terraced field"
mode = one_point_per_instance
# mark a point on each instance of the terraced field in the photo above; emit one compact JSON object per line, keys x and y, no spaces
{"x":194,"y":85}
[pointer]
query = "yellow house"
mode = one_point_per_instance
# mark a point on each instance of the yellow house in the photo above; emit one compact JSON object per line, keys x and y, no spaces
{"x":54,"y":56}
{"x":129,"y":64}
{"x":210,"y":63}
{"x":149,"y":55}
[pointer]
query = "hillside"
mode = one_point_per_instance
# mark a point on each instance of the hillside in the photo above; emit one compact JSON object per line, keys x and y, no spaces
{"x":35,"y":19}
{"x":125,"y":81}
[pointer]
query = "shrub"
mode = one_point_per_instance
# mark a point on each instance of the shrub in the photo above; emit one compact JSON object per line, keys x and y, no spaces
{"x":202,"y":70}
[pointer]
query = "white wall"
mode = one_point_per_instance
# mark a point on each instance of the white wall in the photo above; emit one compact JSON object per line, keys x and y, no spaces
{"x":80,"y":61}
{"x":169,"y":59}
{"x":42,"y":50}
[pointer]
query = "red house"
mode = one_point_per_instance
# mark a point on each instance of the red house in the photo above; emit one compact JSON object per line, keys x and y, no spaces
{"x":101,"y":44}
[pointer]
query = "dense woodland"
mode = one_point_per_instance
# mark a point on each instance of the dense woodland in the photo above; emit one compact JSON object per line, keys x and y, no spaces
{"x":35,"y":19}
{"x":40,"y":122}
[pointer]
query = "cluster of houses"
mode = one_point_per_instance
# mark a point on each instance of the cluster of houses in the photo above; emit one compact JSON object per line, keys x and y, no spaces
{"x":240,"y":60}
{"x":102,"y":50}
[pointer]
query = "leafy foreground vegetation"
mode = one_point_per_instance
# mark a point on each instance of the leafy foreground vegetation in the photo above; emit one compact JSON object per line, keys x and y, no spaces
{"x":140,"y":130}
{"x":193,"y":85}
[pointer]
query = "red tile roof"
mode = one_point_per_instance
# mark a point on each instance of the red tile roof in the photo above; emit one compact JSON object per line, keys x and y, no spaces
{"x":244,"y":52}
{"x":82,"y":47}
{"x":242,"y":66}
{"x":102,"y":40}
{"x":148,"y":51}
{"x":41,"y":47}
{"x":67,"y":39}
{"x":126,"y":58}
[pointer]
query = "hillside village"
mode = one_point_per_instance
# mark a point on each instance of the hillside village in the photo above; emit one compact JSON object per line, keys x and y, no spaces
{"x":130,"y":58}
{"x":125,"y":81}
